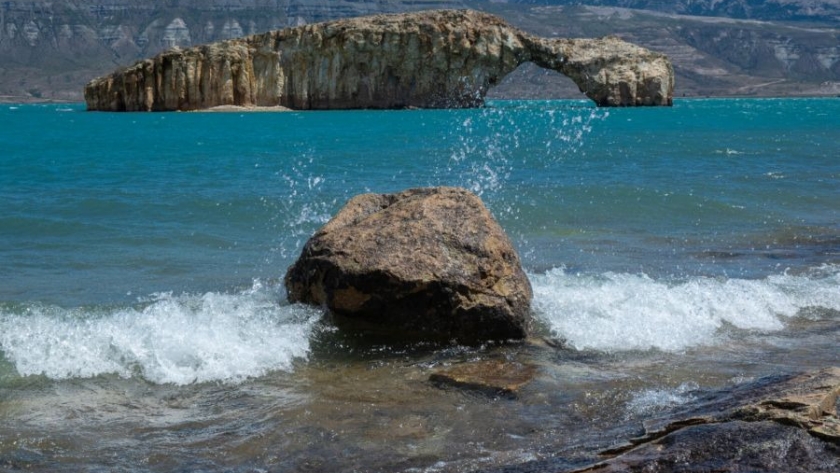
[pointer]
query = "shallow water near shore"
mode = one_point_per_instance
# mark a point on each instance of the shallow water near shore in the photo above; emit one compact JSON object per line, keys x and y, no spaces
{"x":143,"y":324}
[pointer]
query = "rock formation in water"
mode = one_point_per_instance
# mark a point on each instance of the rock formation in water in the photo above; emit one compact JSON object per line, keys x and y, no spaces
{"x":433,"y":59}
{"x":785,"y":424}
{"x":428,"y":264}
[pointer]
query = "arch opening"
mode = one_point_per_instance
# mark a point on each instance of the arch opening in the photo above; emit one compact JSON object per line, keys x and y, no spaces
{"x":532,"y":82}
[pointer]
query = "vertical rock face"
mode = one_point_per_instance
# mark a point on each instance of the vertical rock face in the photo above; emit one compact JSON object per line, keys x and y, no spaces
{"x":435,"y":59}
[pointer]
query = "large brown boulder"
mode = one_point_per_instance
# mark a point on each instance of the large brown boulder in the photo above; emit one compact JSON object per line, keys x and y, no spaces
{"x":432,"y":59}
{"x":430,"y":263}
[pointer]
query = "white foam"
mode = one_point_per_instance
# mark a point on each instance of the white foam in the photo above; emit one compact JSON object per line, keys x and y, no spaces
{"x":649,"y":401}
{"x":170,"y":339}
{"x":617,"y":312}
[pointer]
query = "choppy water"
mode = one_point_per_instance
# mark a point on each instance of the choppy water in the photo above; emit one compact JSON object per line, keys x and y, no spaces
{"x":142,"y":317}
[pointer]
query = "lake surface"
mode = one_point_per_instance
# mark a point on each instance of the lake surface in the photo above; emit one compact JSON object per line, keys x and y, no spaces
{"x":143,"y":323}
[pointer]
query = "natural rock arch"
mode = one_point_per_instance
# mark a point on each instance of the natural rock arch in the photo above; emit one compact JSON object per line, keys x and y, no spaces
{"x":530,"y":81}
{"x":434,"y":59}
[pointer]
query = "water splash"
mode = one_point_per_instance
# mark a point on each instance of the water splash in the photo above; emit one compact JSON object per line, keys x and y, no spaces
{"x":303,"y":203}
{"x":496,"y":151}
{"x":184,"y":339}
{"x":619,"y":311}
{"x":492,"y":152}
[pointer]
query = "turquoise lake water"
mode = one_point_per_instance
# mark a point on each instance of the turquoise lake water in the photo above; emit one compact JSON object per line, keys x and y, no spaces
{"x":142,"y":255}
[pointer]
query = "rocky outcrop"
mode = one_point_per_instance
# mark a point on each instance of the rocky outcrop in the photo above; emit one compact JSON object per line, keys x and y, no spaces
{"x":711,"y":56}
{"x":434,"y":59}
{"x":789,"y":424}
{"x":786,"y":422}
{"x":429,"y":263}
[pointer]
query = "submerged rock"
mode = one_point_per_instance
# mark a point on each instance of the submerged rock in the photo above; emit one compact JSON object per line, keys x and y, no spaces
{"x":431,"y":263}
{"x":493,"y":377}
{"x":432,"y":59}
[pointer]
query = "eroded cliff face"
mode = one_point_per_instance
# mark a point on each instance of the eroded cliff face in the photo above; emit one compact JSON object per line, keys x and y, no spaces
{"x":434,"y":59}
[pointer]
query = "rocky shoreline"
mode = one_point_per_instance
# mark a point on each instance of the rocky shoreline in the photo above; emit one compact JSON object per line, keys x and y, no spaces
{"x":779,"y":423}
{"x":394,"y":263}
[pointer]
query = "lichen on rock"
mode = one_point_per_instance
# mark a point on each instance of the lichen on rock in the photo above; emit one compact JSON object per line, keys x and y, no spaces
{"x":432,"y":59}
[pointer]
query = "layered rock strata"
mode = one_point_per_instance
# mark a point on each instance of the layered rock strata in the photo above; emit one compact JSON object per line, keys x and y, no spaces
{"x":433,"y":59}
{"x":428,"y":264}
{"x":787,"y":423}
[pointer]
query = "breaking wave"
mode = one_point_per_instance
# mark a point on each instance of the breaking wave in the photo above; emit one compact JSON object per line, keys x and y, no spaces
{"x":177,"y":339}
{"x":619,"y":312}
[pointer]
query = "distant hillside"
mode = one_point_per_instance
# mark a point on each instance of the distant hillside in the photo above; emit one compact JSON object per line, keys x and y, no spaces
{"x":50,"y":49}
{"x":819,"y":11}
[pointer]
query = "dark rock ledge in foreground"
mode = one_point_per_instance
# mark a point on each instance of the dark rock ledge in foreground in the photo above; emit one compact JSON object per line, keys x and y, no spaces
{"x":432,"y":59}
{"x":430,"y":263}
{"x":783,"y":423}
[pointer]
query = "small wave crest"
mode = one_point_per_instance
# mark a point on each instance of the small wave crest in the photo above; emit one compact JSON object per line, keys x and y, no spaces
{"x":620,"y":312}
{"x":181,"y":339}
